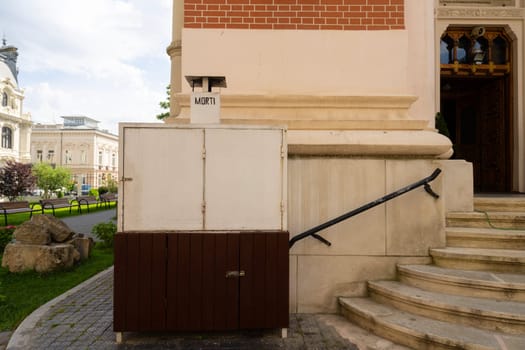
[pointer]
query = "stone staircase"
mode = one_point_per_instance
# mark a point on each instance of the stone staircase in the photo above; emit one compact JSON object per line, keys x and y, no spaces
{"x":472,"y":297}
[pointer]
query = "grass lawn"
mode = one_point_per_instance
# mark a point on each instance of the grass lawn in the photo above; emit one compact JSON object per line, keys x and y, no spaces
{"x":17,"y":219}
{"x":23,"y":293}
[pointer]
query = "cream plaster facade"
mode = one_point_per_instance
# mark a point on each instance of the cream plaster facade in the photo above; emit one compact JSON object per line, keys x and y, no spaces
{"x":359,"y":110}
{"x":15,"y":125}
{"x":90,"y":153}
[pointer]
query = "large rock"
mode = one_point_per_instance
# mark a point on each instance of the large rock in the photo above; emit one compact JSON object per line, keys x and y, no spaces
{"x":41,"y":258}
{"x":32,"y":233}
{"x":58,"y":230}
{"x":83,"y":245}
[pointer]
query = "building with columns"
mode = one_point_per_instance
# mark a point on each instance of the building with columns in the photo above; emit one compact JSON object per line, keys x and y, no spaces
{"x":358,"y":85}
{"x":78,"y":144}
{"x":15,"y":125}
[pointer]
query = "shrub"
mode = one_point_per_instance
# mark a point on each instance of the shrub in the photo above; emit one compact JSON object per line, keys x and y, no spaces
{"x":112,"y":186}
{"x":102,"y":190}
{"x":105,"y":231}
{"x":93,"y":192}
{"x":6,"y":235}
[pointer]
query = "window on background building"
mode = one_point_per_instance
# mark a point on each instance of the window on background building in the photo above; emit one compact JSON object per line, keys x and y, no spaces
{"x":113,"y":160}
{"x":83,"y":156}
{"x":100,"y":158}
{"x":39,"y":155}
{"x":7,"y":137}
{"x":4,"y":99}
{"x":51,"y":155}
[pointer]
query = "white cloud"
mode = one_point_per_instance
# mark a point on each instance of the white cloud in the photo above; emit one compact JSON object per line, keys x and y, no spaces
{"x":102,"y":58}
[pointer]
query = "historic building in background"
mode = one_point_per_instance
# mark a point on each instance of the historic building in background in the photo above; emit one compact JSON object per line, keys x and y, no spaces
{"x":78,"y":144}
{"x":15,"y":125}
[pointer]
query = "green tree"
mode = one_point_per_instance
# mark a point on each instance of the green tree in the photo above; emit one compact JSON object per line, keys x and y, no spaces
{"x":15,"y":179}
{"x":51,"y":179}
{"x":441,"y":125}
{"x":165,"y":105}
{"x":109,"y":185}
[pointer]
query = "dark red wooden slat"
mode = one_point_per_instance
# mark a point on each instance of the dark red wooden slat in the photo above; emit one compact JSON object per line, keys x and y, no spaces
{"x":195,"y":285}
{"x":144,"y":280}
{"x":132,"y":287}
{"x":283,"y":281}
{"x":219,"y":297}
{"x":171,"y":281}
{"x":183,"y":282}
{"x":246,"y":302}
{"x":119,"y":283}
{"x":232,"y":284}
{"x":270,"y":275}
{"x":158,"y":282}
{"x":208,"y":281}
{"x":259,"y":280}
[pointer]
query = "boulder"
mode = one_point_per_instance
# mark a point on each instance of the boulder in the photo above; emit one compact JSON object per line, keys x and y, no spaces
{"x":83,"y":245}
{"x":32,"y":233}
{"x":58,"y":230}
{"x":41,"y":258}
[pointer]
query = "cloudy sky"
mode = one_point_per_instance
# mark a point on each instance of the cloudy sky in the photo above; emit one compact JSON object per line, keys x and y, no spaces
{"x":105,"y":59}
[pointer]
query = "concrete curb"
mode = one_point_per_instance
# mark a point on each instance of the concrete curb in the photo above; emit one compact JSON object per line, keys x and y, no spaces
{"x":21,"y":336}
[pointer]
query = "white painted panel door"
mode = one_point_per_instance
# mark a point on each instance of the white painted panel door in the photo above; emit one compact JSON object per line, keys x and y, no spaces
{"x":244,"y":179}
{"x":164,"y":168}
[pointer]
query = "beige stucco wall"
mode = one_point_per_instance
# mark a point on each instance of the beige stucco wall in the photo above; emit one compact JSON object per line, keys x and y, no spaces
{"x":369,"y":245}
{"x":270,"y":71}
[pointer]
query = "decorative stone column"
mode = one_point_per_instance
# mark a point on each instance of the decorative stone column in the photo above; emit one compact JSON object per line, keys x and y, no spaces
{"x":175,"y":52}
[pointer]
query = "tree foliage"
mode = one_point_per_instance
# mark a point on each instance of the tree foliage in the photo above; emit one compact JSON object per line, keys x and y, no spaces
{"x":51,"y":179}
{"x":165,"y":105}
{"x":441,"y":125}
{"x":15,"y":179}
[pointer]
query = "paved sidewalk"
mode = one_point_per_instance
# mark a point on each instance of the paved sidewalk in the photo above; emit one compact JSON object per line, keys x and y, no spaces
{"x":85,"y":222}
{"x":83,"y":319}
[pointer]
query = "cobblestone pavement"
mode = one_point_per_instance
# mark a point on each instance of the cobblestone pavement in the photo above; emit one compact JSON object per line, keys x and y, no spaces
{"x":4,"y":338}
{"x":84,"y":320}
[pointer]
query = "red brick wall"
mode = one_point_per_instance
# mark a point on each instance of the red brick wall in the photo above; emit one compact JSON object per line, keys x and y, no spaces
{"x":295,"y":14}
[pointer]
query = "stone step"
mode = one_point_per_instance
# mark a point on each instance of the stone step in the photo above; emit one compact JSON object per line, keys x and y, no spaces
{"x":494,"y":315}
{"x":515,"y":204}
{"x":420,"y":332}
{"x":470,"y":237}
{"x":480,"y":284}
{"x":501,"y":260}
{"x":491,"y":219}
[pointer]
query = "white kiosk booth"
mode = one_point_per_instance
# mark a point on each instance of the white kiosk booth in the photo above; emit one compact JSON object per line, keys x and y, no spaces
{"x":202,"y":241}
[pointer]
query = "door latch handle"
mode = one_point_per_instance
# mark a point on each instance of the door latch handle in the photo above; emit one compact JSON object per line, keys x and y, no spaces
{"x":233,"y":274}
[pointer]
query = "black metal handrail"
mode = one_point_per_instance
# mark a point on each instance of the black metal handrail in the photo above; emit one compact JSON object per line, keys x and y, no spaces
{"x":313,"y":231}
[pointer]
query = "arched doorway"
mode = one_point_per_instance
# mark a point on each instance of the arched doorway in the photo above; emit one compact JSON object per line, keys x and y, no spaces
{"x":475,"y":90}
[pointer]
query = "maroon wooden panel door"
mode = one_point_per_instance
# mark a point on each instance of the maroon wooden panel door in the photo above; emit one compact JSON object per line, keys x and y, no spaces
{"x":139,"y":288}
{"x":199,"y":296}
{"x":264,"y":289}
{"x":189,"y":281}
